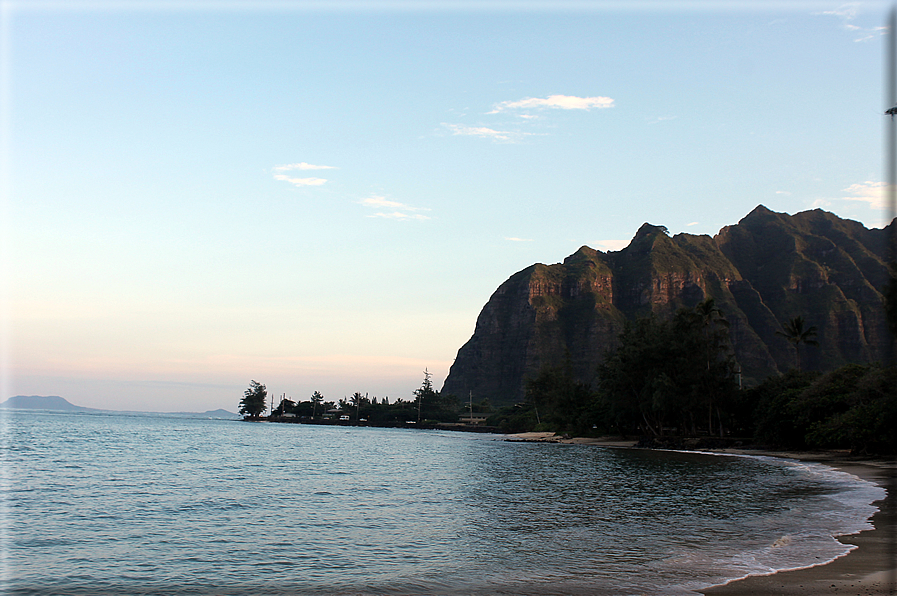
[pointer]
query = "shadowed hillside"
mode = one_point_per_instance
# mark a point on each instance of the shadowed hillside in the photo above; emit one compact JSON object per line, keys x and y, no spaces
{"x":761,"y":272}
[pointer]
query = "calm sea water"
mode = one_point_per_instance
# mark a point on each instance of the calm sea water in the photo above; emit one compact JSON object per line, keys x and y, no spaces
{"x":141,"y":504}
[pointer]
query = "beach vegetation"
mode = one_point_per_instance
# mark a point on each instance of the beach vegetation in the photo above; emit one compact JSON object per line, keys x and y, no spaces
{"x":285,"y":406}
{"x":316,"y":400}
{"x":559,"y":402}
{"x":516,"y":418}
{"x":853,"y":407}
{"x":674,"y":374}
{"x":664,"y":377}
{"x":428,"y":408}
{"x":253,"y":403}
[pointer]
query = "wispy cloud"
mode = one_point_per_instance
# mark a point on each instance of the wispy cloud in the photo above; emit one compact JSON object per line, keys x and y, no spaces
{"x":694,"y":223}
{"x":521,"y":109}
{"x":869,"y":192}
{"x":847,"y":13}
{"x":389,"y":209}
{"x":483,"y":132}
{"x":300,"y":181}
{"x":563,"y":102}
{"x":783,"y":192}
{"x":513,"y":239}
{"x":301,"y":166}
{"x":662,"y":119}
{"x":382,"y":203}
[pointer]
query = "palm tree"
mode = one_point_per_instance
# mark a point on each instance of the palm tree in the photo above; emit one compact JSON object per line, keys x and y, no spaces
{"x":316,"y":398}
{"x":794,"y":332}
{"x":710,"y":312}
{"x":356,"y":401}
{"x":711,"y":316}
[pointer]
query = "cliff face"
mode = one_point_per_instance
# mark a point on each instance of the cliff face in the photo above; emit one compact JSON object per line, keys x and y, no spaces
{"x":765,"y":270}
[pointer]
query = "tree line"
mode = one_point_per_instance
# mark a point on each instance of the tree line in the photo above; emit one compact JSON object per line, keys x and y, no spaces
{"x":428,"y":407}
{"x":669,"y":379}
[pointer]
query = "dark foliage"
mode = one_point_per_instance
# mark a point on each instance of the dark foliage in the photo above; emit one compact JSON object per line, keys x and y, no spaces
{"x":676,"y":374}
{"x":514,"y":419}
{"x":777,"y":417}
{"x":560,"y":403}
{"x":434,"y":406}
{"x":253,"y":402}
{"x":285,"y":405}
{"x":854,"y":407}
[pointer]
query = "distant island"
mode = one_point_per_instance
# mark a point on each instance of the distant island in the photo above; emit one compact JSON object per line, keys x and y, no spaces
{"x":57,"y":403}
{"x":43,"y":402}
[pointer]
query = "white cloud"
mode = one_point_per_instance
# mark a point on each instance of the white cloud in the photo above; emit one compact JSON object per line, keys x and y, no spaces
{"x":382,"y":202}
{"x":869,"y":192}
{"x":481,"y":131}
{"x":300,"y":181}
{"x":783,"y":192}
{"x":513,"y":239}
{"x":399,"y":215}
{"x":564,"y":102}
{"x":301,"y":166}
{"x":820,"y":203}
{"x":694,"y":223}
{"x":611,"y":245}
{"x":399,"y":211}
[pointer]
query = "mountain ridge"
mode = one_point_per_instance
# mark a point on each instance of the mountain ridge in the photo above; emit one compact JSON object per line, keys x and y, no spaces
{"x":762,"y":271}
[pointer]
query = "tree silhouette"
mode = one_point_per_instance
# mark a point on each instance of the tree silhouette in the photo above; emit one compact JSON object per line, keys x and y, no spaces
{"x":795,"y":333}
{"x":316,"y":398}
{"x":710,"y":313}
{"x":715,"y":329}
{"x":253,"y":402}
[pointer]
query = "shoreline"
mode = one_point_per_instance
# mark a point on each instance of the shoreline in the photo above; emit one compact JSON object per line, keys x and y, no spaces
{"x":870,"y":568}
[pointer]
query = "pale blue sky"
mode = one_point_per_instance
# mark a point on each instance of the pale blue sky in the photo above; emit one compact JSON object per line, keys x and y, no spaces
{"x":200,"y":194}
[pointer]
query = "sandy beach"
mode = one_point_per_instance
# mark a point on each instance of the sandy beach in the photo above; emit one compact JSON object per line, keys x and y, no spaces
{"x":869,"y":569}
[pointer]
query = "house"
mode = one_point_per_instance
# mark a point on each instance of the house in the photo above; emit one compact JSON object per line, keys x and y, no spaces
{"x":473,"y":419}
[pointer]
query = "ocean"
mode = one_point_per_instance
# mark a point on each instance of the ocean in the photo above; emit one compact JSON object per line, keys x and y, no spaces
{"x":100,"y":504}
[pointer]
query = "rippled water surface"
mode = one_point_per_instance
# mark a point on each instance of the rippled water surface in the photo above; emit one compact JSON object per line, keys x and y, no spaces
{"x":141,"y":504}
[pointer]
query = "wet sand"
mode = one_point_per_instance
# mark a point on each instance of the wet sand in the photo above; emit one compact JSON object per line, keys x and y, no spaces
{"x":869,"y":569}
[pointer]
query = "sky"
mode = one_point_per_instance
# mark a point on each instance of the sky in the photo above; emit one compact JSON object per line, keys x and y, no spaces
{"x":323,"y":196}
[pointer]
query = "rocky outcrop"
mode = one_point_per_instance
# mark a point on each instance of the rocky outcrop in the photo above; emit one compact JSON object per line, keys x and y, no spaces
{"x":768,"y":268}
